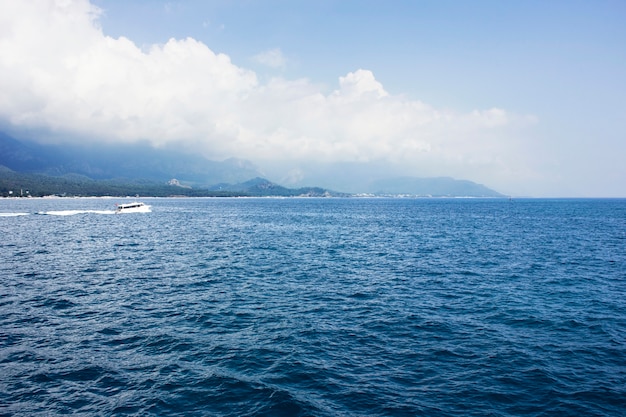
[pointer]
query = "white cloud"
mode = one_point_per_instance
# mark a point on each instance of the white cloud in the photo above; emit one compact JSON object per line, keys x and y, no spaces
{"x":272,"y":58}
{"x":357,"y":84}
{"x":58,"y":71}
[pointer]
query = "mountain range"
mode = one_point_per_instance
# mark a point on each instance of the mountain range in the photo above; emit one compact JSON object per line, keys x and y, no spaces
{"x":133,"y":161}
{"x":106,"y":169}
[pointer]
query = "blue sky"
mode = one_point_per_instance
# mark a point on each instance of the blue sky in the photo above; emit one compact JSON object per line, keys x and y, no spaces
{"x":454,"y":53}
{"x":526,"y":97}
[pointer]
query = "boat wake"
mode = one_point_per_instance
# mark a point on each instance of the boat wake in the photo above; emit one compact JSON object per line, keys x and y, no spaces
{"x":59,"y":213}
{"x":74,"y":212}
{"x":142,"y":209}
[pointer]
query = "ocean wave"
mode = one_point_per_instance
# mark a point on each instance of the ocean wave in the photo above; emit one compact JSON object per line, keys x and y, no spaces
{"x":232,"y":307}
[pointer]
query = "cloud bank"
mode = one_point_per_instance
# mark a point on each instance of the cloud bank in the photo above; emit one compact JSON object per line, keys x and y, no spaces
{"x":60,"y":73}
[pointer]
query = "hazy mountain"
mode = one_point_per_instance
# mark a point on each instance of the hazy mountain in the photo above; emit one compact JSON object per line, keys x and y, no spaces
{"x":130,"y":164}
{"x":436,"y":187}
{"x":137,"y":161}
{"x":378,"y":177}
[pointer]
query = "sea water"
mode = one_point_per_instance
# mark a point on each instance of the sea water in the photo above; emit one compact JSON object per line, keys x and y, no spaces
{"x":313,"y":307}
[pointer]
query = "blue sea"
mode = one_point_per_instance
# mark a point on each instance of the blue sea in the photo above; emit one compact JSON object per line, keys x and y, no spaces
{"x":313,"y":307}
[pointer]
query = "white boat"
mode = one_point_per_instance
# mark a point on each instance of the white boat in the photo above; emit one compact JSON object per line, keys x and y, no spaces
{"x":135,"y":207}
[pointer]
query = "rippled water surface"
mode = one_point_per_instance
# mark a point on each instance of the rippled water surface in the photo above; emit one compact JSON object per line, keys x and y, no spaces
{"x":313,"y":307}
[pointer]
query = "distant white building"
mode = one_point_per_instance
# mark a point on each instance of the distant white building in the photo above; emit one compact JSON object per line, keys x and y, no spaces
{"x":177,"y":183}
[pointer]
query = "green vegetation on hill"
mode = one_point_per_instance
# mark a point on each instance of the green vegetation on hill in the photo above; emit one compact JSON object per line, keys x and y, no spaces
{"x":73,"y":185}
{"x":38,"y":185}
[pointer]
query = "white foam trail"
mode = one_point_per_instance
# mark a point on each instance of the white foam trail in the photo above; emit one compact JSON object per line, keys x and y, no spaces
{"x":74,"y":212}
{"x":102,"y":211}
{"x":145,"y":209}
